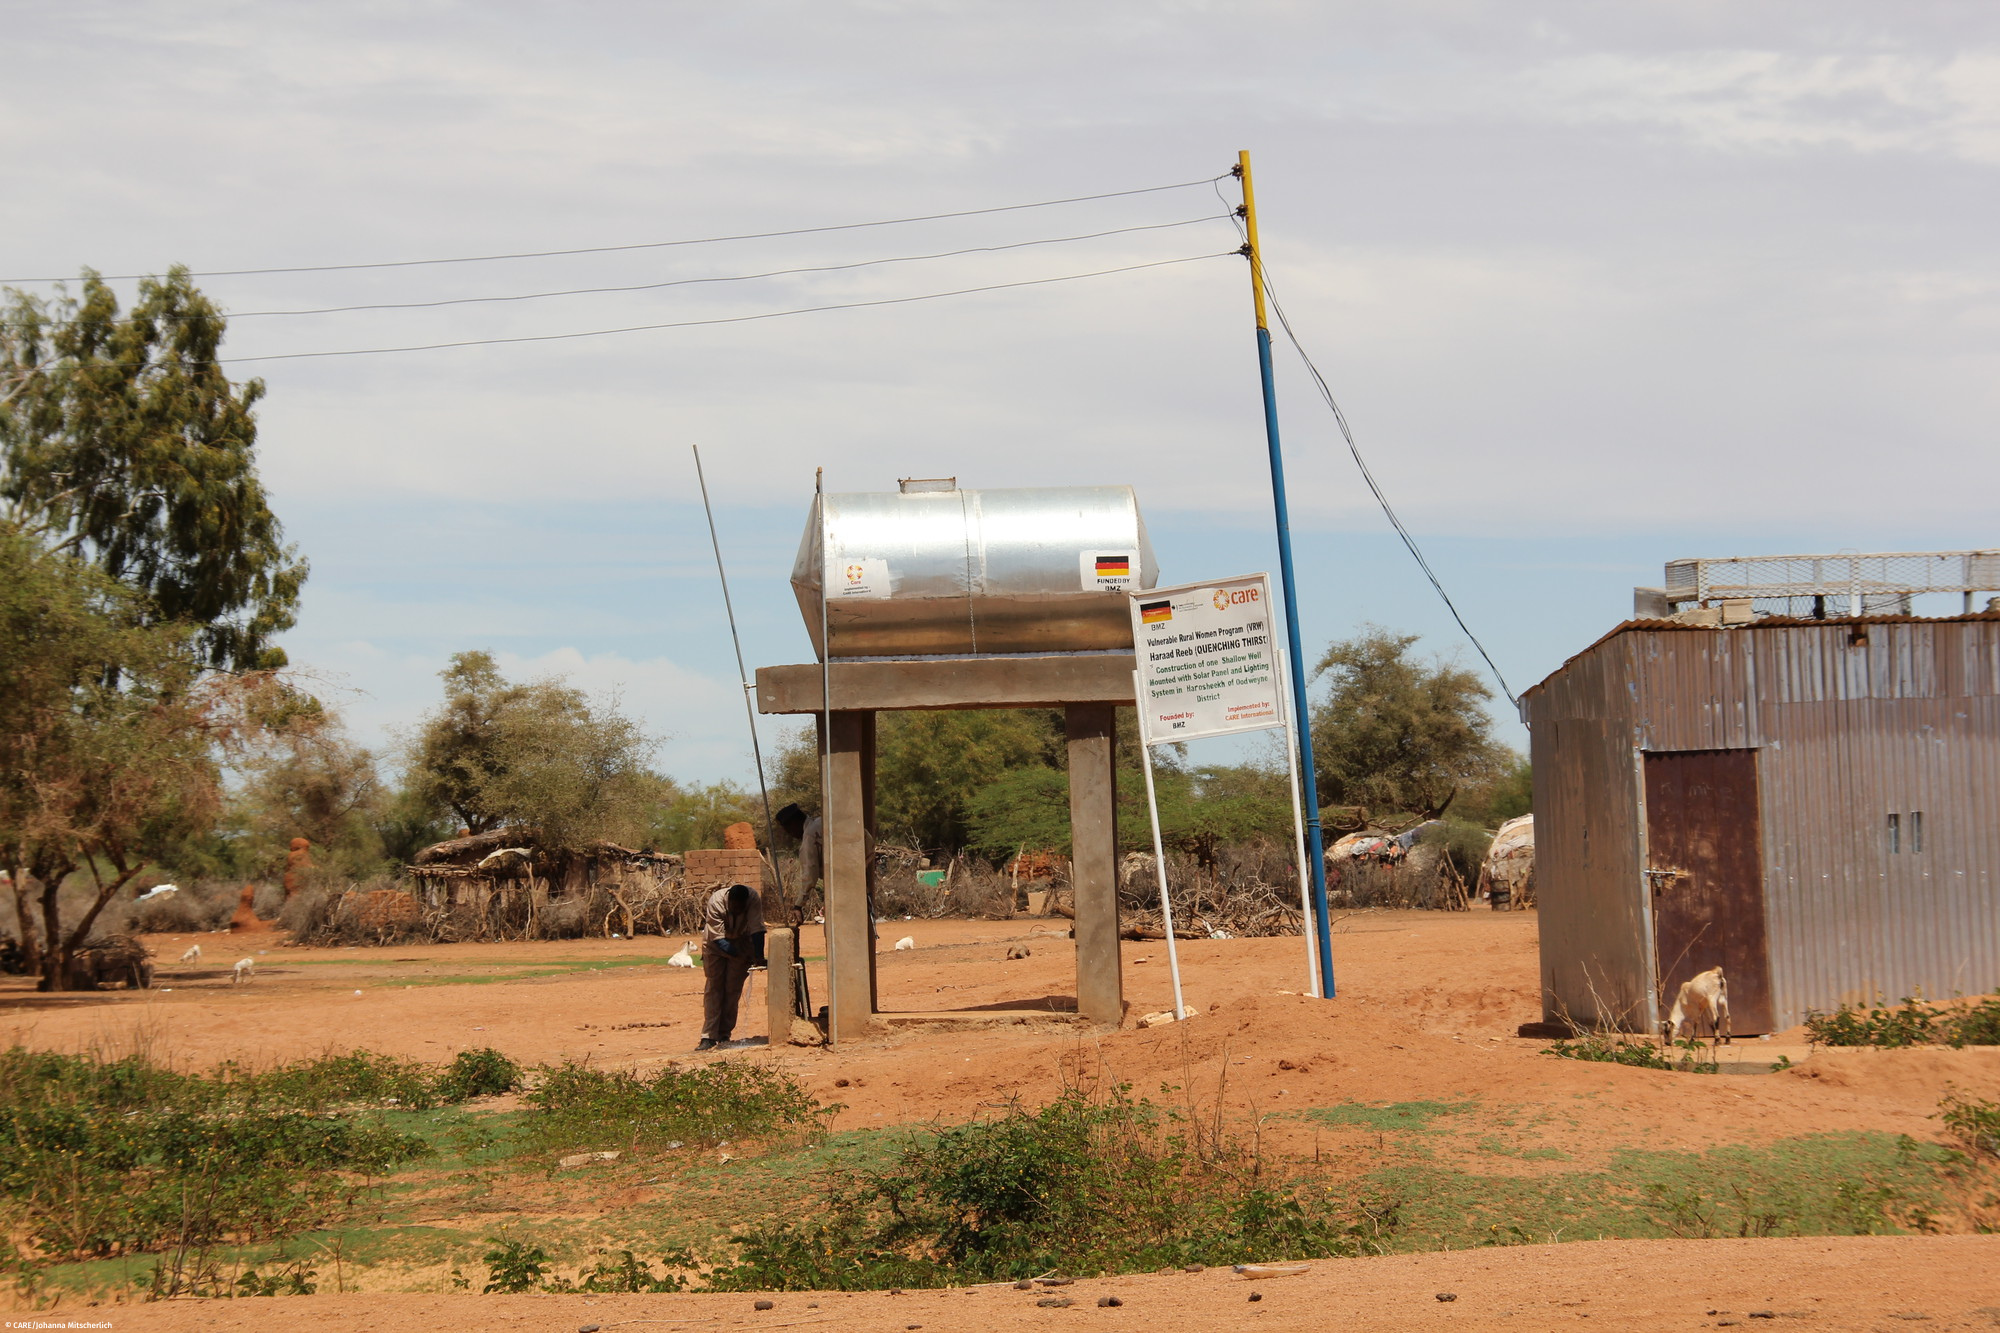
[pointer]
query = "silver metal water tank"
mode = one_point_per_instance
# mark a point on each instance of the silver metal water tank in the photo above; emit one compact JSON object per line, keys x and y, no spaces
{"x":936,"y":571}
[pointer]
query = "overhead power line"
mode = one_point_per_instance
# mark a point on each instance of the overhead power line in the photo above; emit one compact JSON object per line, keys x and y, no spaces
{"x":658,"y":245}
{"x":732,"y":277}
{"x":1375,"y":489}
{"x":726,"y":319}
{"x":1368,"y":475}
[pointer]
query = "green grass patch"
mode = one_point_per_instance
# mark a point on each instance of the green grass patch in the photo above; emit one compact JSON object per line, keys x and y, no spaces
{"x":514,"y":972}
{"x":1821,"y":1185}
{"x":1414,"y":1117}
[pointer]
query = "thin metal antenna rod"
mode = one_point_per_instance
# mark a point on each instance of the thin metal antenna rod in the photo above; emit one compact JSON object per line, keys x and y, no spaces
{"x":825,"y":756}
{"x":742,"y":677}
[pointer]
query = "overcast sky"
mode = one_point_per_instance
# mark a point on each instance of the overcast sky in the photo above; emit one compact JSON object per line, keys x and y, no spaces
{"x":1599,"y":285}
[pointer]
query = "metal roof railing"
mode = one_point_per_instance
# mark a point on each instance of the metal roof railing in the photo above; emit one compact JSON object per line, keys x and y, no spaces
{"x":1860,"y":579}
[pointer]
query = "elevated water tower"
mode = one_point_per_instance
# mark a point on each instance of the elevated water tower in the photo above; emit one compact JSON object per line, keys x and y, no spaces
{"x":940,"y":597}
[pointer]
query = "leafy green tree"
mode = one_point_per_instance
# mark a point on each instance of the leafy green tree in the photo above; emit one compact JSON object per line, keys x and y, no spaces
{"x":407,"y":822}
{"x":542,"y":754}
{"x":122,"y":441}
{"x":1396,"y":734}
{"x":928,"y":766}
{"x":687,"y":818}
{"x":1509,"y":795}
{"x":1025,"y":810}
{"x":107,"y":741}
{"x":1201,"y":810}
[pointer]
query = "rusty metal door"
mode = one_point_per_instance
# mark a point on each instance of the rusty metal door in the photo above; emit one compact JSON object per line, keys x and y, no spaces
{"x":1705,"y":868}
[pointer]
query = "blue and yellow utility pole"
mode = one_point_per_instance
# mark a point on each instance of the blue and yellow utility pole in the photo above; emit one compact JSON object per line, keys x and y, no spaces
{"x":1308,"y":775}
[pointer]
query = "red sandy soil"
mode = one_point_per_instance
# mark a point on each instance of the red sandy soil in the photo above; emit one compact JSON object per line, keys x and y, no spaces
{"x":1854,"y":1282}
{"x":1429,"y":1007}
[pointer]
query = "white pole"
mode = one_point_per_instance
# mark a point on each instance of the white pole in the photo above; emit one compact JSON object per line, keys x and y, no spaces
{"x":1313,"y":987}
{"x":1159,"y":852}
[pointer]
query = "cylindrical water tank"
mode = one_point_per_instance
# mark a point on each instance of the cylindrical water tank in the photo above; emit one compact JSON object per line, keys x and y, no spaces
{"x":935,"y":571}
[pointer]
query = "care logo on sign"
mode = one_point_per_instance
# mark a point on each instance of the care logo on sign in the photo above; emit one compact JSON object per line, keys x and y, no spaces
{"x":1228,"y":597}
{"x":862,"y":577}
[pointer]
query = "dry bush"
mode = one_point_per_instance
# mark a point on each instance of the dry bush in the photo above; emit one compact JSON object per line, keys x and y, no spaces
{"x":202,"y":906}
{"x":970,"y":888}
{"x":1252,"y":889}
{"x":623,"y":901}
{"x":1424,"y":878}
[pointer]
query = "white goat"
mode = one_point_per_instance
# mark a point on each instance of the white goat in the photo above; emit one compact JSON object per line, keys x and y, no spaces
{"x":193,"y":955}
{"x":907,"y":942}
{"x":1704,"y":996}
{"x":683,"y":956}
{"x":241,"y":972}
{"x":158,"y":891}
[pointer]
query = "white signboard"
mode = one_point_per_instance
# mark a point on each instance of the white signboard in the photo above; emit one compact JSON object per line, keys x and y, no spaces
{"x":1207,"y":666}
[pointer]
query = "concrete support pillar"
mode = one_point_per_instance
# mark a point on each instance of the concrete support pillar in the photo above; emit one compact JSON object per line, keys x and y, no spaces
{"x":848,"y":812}
{"x":1093,"y":819}
{"x":780,"y":947}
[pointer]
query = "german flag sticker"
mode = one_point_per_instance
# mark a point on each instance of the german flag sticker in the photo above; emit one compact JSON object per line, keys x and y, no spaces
{"x":1114,"y":566}
{"x":1155,"y":613}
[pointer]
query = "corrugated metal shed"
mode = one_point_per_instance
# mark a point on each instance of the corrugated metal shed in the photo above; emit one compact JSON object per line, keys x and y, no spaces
{"x":1851,"y":722}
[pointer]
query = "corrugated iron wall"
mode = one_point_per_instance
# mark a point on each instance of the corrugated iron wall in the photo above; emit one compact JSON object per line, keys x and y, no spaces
{"x":1596,"y":940}
{"x":1853,"y":722}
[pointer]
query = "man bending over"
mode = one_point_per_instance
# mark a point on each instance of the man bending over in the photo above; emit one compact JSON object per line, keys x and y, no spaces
{"x":732,"y":930}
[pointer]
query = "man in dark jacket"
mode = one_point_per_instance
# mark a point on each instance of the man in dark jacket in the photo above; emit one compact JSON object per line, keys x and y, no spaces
{"x":732,"y":930}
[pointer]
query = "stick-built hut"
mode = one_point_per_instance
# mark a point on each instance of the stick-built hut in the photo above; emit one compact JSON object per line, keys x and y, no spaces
{"x":508,"y":875}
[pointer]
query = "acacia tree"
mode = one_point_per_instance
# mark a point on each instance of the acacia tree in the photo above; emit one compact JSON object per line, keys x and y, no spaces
{"x":1396,"y":734}
{"x":107,"y":753}
{"x":541,"y":753}
{"x":309,"y":779}
{"x":123,"y":441}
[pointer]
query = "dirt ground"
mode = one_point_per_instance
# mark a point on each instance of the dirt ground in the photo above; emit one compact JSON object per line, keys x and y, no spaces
{"x":1873,"y":1283}
{"x":1428,"y":1009}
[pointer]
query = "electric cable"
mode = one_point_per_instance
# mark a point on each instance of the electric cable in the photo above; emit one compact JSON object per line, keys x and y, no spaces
{"x":732,"y":277}
{"x":658,"y":245}
{"x":1375,"y":488}
{"x":1367,"y":474}
{"x":723,"y":319}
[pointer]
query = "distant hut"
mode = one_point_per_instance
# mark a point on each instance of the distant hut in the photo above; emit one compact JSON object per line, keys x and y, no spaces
{"x":510,"y":872}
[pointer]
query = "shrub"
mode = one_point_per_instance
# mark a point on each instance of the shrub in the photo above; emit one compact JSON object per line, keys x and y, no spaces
{"x":479,"y":1073}
{"x":1462,"y":846}
{"x":194,"y":908}
{"x":578,"y":1107}
{"x":1081,"y":1185}
{"x":1977,"y":1124}
{"x":515,"y":1266}
{"x":1911,"y":1023}
{"x":110,"y":1157}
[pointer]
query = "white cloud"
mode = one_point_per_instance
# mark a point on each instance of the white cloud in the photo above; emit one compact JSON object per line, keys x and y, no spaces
{"x":1584,"y":270}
